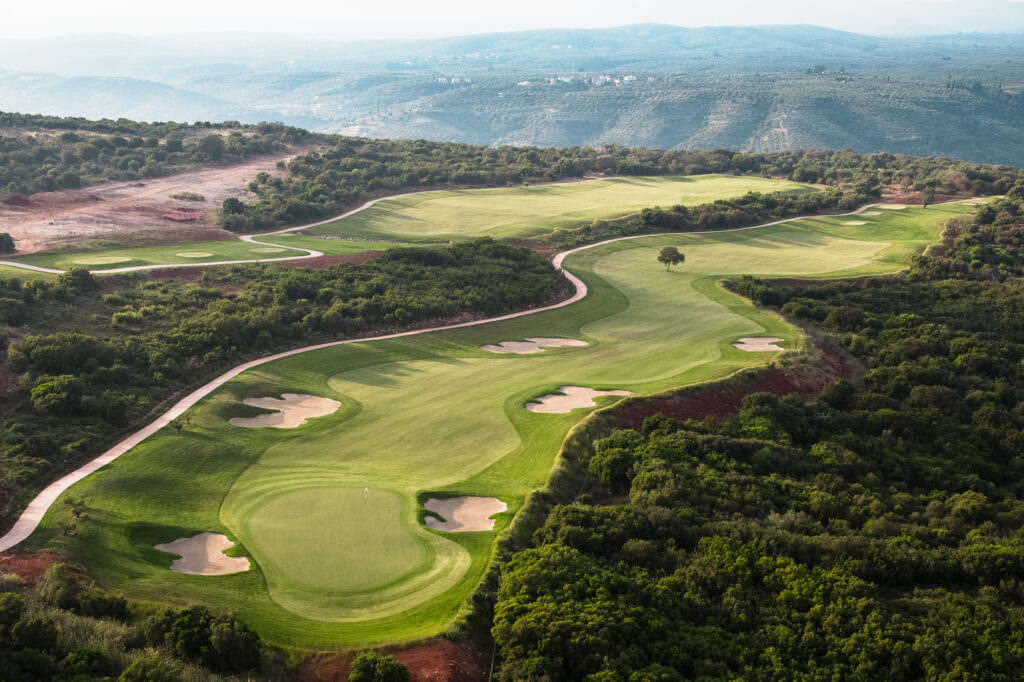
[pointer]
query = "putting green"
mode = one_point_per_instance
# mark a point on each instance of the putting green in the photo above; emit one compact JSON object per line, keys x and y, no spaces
{"x":328,"y":511}
{"x":102,"y":260}
{"x":303,"y":522}
{"x":193,"y":254}
{"x":532,"y":211}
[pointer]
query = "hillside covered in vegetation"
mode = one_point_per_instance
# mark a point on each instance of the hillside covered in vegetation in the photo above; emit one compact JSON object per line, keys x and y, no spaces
{"x":46,"y":153}
{"x":319,"y":185}
{"x":872,"y":533}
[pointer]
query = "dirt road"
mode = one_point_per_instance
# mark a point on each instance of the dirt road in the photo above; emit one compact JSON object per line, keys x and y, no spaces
{"x":131,"y":212}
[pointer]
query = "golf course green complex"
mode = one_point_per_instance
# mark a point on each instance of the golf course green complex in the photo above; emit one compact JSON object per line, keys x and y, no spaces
{"x":330,"y":512}
{"x":537,"y":210}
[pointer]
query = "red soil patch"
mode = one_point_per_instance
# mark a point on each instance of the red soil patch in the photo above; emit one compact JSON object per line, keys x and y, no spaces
{"x":184,"y":216}
{"x":723,"y":399}
{"x":914,"y":198}
{"x":443,"y":661}
{"x":808,"y":283}
{"x":17,"y":200}
{"x":327,"y":261}
{"x":29,"y":567}
{"x":436,"y":660}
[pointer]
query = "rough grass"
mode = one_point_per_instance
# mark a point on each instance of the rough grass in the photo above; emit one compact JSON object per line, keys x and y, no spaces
{"x":434,"y":413}
{"x":534,"y":211}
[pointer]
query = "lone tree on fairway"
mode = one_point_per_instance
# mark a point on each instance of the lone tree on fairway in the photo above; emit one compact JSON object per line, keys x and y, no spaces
{"x":670,"y":256}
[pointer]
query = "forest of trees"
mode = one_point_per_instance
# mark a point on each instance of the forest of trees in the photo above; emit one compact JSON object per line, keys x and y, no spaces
{"x":61,"y":629}
{"x":317,"y":186}
{"x":873,"y":533}
{"x":46,"y":153}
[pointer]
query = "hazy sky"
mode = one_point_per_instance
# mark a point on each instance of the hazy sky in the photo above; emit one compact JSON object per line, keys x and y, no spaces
{"x":347,"y":19}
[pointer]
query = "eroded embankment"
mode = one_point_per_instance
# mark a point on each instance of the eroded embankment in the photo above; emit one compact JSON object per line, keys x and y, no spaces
{"x":724,"y":398}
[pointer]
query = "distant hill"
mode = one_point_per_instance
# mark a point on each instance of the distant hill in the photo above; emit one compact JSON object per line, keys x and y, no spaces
{"x":764,"y":88}
{"x":103,"y":97}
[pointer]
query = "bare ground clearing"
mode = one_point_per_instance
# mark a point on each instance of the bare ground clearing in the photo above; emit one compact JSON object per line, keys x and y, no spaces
{"x":132,"y":212}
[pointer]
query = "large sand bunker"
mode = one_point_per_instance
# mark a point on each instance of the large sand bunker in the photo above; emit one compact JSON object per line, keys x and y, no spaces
{"x":193,"y":254}
{"x":533,"y":344}
{"x":892,"y":207}
{"x":464,"y":514}
{"x":268,"y":249}
{"x":758,"y":344}
{"x":855,"y":222}
{"x":871,"y":213}
{"x":203,"y":554}
{"x":567,"y":399}
{"x":292,"y":410}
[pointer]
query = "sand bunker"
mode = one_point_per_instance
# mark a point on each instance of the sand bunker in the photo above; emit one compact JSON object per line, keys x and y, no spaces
{"x":569,"y":398}
{"x":193,"y":254}
{"x":855,"y":222}
{"x":758,"y":343}
{"x":102,"y":260}
{"x":532,"y":345}
{"x":892,"y":207}
{"x":871,"y":213}
{"x":268,"y":249}
{"x":464,"y":514}
{"x":204,"y":554}
{"x":293,"y":409}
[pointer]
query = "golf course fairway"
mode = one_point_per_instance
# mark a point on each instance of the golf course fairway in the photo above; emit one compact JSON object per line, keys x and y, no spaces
{"x":537,"y":210}
{"x":328,"y":513}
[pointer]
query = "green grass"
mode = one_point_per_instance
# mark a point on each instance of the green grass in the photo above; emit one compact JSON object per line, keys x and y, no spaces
{"x":165,"y":254}
{"x":328,"y":512}
{"x":534,"y":211}
{"x":439,"y":217}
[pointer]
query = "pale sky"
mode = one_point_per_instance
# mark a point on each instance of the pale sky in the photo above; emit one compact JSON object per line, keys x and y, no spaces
{"x":363,"y":19}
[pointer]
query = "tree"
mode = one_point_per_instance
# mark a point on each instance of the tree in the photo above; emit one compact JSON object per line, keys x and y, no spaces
{"x":7,"y":243}
{"x":233,"y":206}
{"x":11,"y":607}
{"x":76,"y":506}
{"x":58,"y":588}
{"x":212,"y":146}
{"x":370,"y":666}
{"x":670,"y":256}
{"x":927,"y":196}
{"x":149,"y":669}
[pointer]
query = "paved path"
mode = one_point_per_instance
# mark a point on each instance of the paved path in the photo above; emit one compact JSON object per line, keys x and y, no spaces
{"x":33,"y":514}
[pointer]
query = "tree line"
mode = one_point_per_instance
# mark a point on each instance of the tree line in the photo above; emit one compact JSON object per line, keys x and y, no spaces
{"x":319,"y":185}
{"x":46,"y":153}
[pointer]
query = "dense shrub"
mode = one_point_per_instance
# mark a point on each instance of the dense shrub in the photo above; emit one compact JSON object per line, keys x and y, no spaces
{"x":871,"y":534}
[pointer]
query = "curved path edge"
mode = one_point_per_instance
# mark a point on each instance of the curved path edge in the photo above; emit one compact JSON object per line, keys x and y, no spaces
{"x":33,"y":514}
{"x":255,"y":239}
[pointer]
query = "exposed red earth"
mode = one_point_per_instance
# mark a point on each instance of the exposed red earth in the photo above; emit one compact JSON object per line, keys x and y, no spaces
{"x":327,"y":261}
{"x":29,"y":567}
{"x":723,"y":399}
{"x":435,"y":660}
{"x":131,"y":212}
